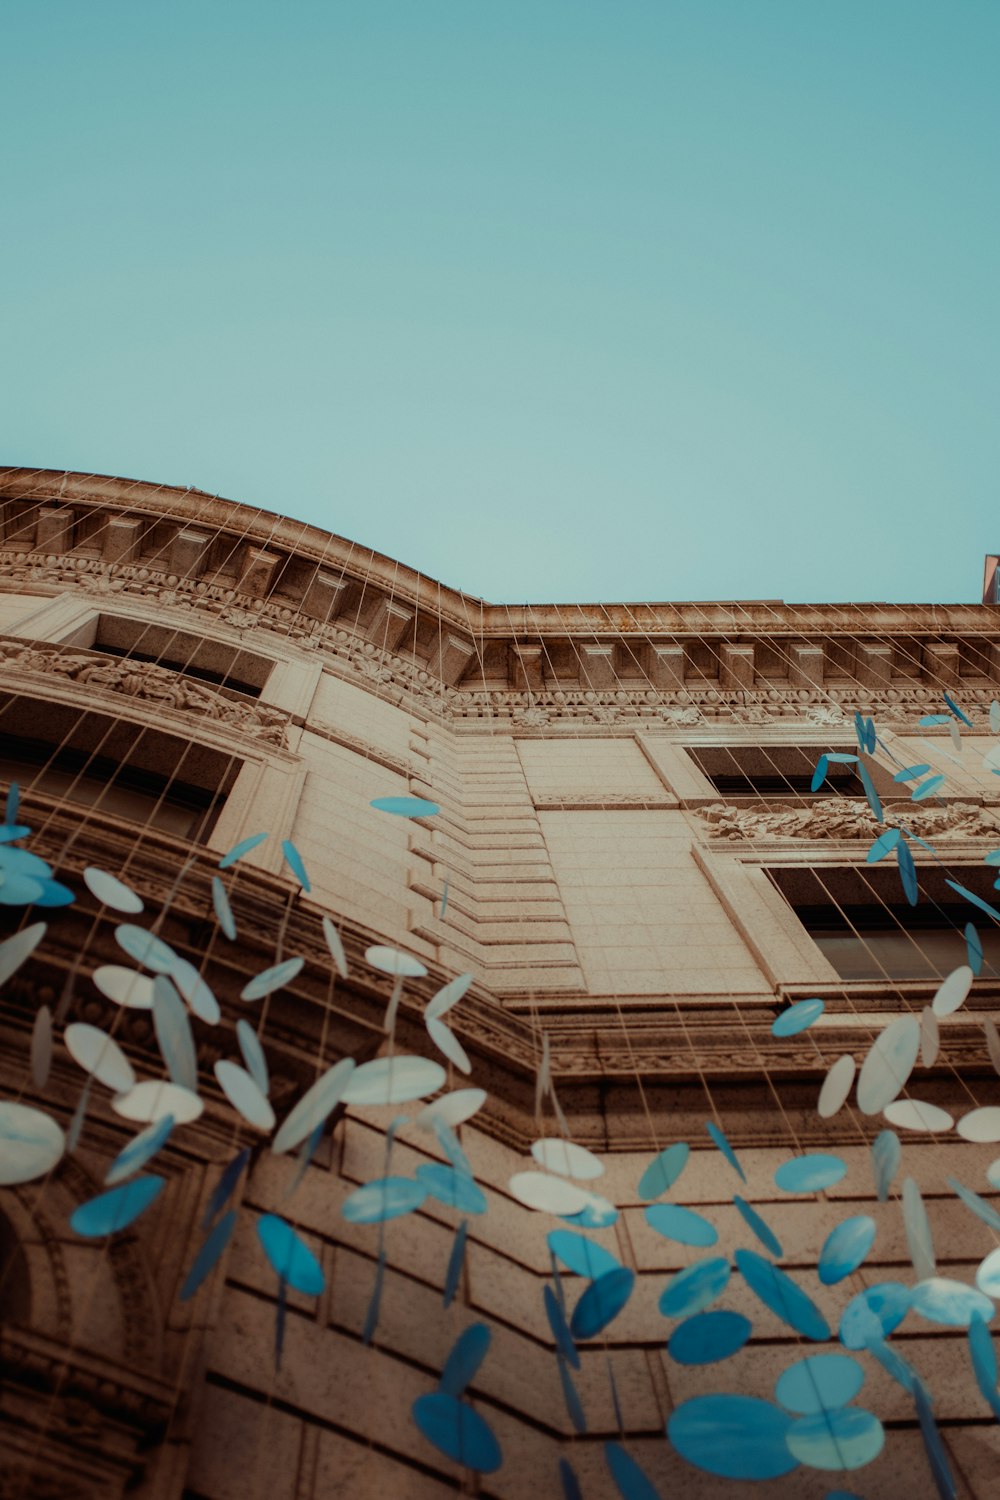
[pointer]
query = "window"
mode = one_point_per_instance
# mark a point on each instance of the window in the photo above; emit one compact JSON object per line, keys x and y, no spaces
{"x":864,"y":926}
{"x":775,"y":770}
{"x":242,"y":673}
{"x":113,"y":765}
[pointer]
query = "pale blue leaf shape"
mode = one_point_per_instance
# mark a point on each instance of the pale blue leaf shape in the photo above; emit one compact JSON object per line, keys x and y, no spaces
{"x":819,"y":775}
{"x":784,"y":1297}
{"x":173,"y":1034}
{"x":694,"y":1288}
{"x":708,"y":1337}
{"x":11,"y":831}
{"x":466,"y":1355}
{"x":984,"y":1361}
{"x":294,"y":861}
{"x":719,"y":1138}
{"x":798,"y":1017}
{"x":115,"y":1210}
{"x":571,"y":1396}
{"x":560,"y":1331}
{"x":761,"y":1229}
{"x":810,"y":1174}
{"x":12,"y":804}
{"x":949,"y":1303}
{"x":818,"y":1383}
{"x":453,"y":1189}
{"x":883,"y":845}
{"x":681,"y":1224}
{"x":598,"y":1214}
{"x":973,"y":949}
{"x":926,"y":788}
{"x":936,"y":1456}
{"x":272,"y":979}
{"x":844,"y":1439}
{"x":918,"y":1231}
{"x":406,"y":807}
{"x":41,"y":1047}
{"x":995,"y":716}
{"x":225,"y":1185}
{"x":845,"y":1248}
{"x":451,"y":1146}
{"x":385,"y":1198}
{"x":873,"y":1314}
{"x":601,"y":1302}
{"x":907,"y":872}
{"x":911,"y":773}
{"x":315,"y":1107}
{"x":735,"y":1437}
{"x":887,"y":1154}
{"x":570,"y":1483}
{"x":238,"y":850}
{"x":457,"y":1431}
{"x":141,"y":1149}
{"x":18,"y":948}
{"x":930,"y":721}
{"x":196,"y":991}
{"x":223,"y":910}
{"x":893,"y":1364}
{"x":990,"y":911}
{"x":208,"y":1255}
{"x":20,"y":890}
{"x":290,"y":1256}
{"x":145,"y":948}
{"x":836,"y":757}
{"x":253,"y":1055}
{"x":664,"y":1170}
{"x":375,"y":1302}
{"x":455,"y":1262}
{"x":580,"y":1254}
{"x":976,"y":1205}
{"x":630,"y":1481}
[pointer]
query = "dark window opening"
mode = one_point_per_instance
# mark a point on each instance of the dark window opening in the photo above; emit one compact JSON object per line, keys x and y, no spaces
{"x":775,"y":771}
{"x":226,"y":667}
{"x":864,"y":926}
{"x":114,"y":766}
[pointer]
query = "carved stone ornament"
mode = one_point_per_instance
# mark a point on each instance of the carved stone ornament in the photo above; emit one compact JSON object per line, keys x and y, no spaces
{"x":844,"y":818}
{"x":146,"y":680}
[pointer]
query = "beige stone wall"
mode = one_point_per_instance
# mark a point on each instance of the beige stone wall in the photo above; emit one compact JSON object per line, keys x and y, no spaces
{"x":592,"y":902}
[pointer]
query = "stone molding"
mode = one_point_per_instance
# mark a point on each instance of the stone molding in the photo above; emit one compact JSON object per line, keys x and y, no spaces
{"x":844,"y":818}
{"x":168,"y":689}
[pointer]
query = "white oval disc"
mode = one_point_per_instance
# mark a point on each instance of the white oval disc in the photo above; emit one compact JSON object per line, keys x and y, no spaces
{"x":447,"y":1042}
{"x":567,"y":1158}
{"x":915,"y":1114}
{"x":30,"y":1143}
{"x":930,"y":1037}
{"x":836,"y":1086}
{"x":452,"y":1109}
{"x":953,"y":991}
{"x":547,"y":1194}
{"x":888,"y":1065}
{"x":391,"y":961}
{"x":111,"y":891}
{"x":981,"y":1124}
{"x":99,"y":1054}
{"x":244,"y":1095}
{"x":447,"y":997}
{"x":316,"y":1105}
{"x":124,"y":986}
{"x":393,"y":1080}
{"x":153,"y":1099}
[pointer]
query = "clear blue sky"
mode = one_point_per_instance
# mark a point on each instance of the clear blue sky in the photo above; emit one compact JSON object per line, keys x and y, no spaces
{"x":551,"y":299}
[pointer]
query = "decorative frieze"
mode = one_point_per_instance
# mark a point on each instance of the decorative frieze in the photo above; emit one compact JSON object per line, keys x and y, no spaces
{"x":844,"y":818}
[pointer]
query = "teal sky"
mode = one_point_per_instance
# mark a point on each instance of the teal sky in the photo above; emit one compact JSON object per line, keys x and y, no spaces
{"x":550,"y":299}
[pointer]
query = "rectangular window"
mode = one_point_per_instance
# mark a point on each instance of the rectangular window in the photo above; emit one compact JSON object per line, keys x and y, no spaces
{"x":234,"y":671}
{"x":864,"y":926}
{"x":113,"y":765}
{"x":774,"y":770}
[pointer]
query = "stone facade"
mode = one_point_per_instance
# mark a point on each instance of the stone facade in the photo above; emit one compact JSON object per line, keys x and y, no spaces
{"x":614,"y":908}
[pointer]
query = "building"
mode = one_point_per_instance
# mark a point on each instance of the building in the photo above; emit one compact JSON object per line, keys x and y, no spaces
{"x":630,"y":862}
